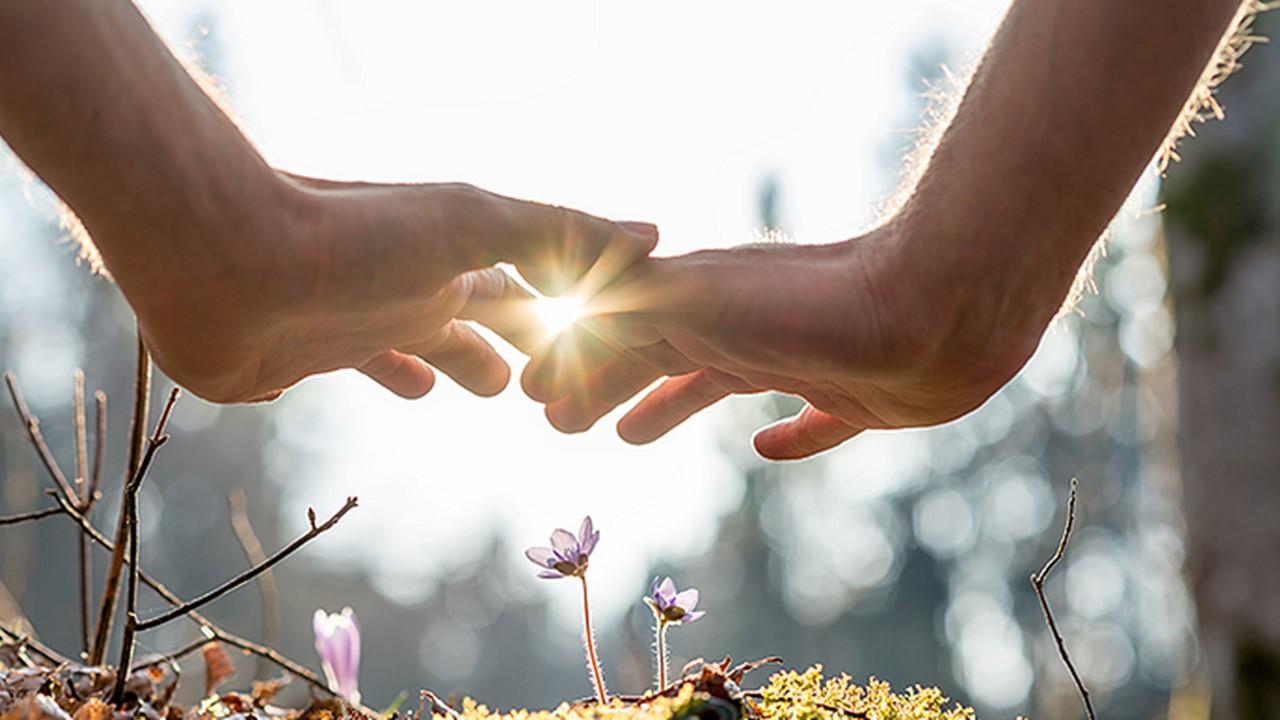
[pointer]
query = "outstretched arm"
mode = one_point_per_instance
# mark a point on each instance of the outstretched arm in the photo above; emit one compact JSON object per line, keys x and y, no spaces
{"x":923,"y":319}
{"x":245,"y":279}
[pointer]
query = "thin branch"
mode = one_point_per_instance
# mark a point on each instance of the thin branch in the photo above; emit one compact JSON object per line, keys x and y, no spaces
{"x":88,"y":499}
{"x":99,"y":451}
{"x":265,"y":652}
{"x":137,"y":432}
{"x":32,"y":424}
{"x":82,"y":482}
{"x":240,"y":580}
{"x":238,"y":512}
{"x":1037,"y":582}
{"x":141,"y":408}
{"x":172,"y":657}
{"x":41,"y":649}
{"x":132,"y":488}
{"x":81,"y":441}
{"x":34,"y":515}
{"x":205,"y":624}
{"x":437,"y":706}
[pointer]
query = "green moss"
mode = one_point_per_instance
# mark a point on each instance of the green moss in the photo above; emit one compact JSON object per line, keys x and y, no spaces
{"x":660,"y":708}
{"x":788,"y":696}
{"x":808,"y":696}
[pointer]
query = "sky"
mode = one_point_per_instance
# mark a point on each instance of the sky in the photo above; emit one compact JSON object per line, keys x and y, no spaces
{"x":669,"y":112}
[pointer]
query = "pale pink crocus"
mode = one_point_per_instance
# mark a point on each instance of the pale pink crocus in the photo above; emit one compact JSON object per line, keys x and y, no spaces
{"x":338,"y":642}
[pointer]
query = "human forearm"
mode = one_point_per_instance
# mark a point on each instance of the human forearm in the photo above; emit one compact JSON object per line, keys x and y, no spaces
{"x":1070,"y":103}
{"x":92,"y":100}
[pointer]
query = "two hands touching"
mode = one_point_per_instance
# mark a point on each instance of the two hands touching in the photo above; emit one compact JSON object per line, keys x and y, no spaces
{"x":387,"y":279}
{"x":245,"y":279}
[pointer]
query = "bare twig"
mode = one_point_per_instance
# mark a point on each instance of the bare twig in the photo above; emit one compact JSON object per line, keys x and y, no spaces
{"x":1037,"y":582}
{"x":137,"y":432}
{"x":173,"y":657}
{"x":82,"y":442}
{"x":141,"y":408}
{"x":275,"y":657}
{"x":41,"y":649}
{"x":99,"y":450}
{"x":240,"y":580}
{"x":87,"y":501}
{"x":205,"y":624}
{"x":34,"y":515}
{"x":437,"y":705}
{"x":82,"y":484}
{"x":32,"y":424}
{"x":130,"y":514}
{"x":239,"y":514}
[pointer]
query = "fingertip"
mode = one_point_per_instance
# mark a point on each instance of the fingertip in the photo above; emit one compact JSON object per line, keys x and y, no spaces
{"x":802,"y":436}
{"x":405,"y":375}
{"x":563,"y":421}
{"x":535,"y":381}
{"x":645,"y":233}
{"x":494,"y":382}
{"x":636,"y":430}
{"x":545,"y":376}
{"x":774,"y":443}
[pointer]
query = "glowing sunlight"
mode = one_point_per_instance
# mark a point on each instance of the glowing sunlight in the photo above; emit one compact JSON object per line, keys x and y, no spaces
{"x":558,"y":313}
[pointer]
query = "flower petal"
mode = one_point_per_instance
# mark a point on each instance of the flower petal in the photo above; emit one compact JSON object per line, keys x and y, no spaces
{"x":692,"y":616}
{"x":587,"y":536}
{"x":320,"y":626}
{"x":666,"y":593}
{"x":687,"y":600}
{"x":552,"y":575}
{"x":337,"y":639}
{"x":565,"y":545}
{"x":542,"y":556}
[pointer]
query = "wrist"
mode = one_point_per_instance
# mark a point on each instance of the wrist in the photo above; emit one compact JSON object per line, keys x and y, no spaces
{"x":978,"y":315}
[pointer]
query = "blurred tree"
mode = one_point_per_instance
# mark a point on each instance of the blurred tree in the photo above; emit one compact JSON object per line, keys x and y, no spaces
{"x":1223,"y":225}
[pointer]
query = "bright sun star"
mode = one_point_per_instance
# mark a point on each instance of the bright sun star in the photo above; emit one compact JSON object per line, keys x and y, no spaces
{"x":558,"y":313}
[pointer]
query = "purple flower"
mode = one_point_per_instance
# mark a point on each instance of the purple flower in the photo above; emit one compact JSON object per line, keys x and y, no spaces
{"x":338,"y":642}
{"x":568,"y":555}
{"x":670,"y":606}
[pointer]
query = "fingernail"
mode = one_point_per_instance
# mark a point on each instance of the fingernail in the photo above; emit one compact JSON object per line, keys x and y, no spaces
{"x":643,"y":230}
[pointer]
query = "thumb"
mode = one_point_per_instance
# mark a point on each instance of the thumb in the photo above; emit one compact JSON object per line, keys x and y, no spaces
{"x":809,"y":433}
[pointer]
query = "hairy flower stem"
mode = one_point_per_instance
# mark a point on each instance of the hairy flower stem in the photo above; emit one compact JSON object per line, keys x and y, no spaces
{"x":660,"y":649}
{"x":589,"y":639}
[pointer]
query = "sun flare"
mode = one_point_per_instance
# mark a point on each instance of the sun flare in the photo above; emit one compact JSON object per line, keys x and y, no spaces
{"x":558,"y":313}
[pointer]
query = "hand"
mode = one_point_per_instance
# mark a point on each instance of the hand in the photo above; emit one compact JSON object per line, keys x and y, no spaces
{"x":246,"y":280}
{"x":379,"y":278}
{"x":865,"y":331}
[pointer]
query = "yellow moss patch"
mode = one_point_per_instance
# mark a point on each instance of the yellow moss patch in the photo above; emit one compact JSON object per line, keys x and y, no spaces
{"x":661,"y":708}
{"x":805,"y":696}
{"x":788,"y":696}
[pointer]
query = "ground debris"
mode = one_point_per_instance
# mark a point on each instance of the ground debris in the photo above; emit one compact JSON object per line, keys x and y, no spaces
{"x":30,"y":690}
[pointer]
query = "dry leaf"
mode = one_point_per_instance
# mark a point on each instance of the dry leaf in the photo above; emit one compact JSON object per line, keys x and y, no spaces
{"x":94,"y":709}
{"x":36,"y":707}
{"x":217,"y":666}
{"x":265,"y":690}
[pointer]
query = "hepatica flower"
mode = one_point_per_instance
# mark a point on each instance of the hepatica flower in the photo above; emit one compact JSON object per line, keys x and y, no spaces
{"x":669,"y":608}
{"x":338,"y":642}
{"x":567,"y":557}
{"x":673,"y":607}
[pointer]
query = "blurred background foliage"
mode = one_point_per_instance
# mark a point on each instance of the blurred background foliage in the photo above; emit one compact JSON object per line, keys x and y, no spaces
{"x":904,"y":556}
